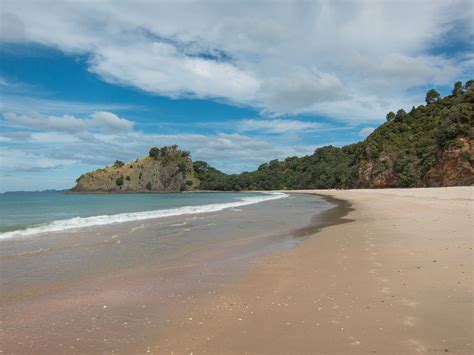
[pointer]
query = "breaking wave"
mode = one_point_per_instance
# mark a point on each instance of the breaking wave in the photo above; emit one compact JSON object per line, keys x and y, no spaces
{"x":81,"y":222}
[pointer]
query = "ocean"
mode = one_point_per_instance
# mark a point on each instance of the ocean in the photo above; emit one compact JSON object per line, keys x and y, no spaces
{"x":31,"y":213}
{"x":85,"y":265}
{"x":50,"y":237}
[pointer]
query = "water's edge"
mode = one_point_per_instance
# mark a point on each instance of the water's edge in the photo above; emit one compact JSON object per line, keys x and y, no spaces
{"x":327,"y":218}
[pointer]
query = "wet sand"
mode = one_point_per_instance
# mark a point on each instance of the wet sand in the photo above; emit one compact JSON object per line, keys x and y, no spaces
{"x":396,"y":279}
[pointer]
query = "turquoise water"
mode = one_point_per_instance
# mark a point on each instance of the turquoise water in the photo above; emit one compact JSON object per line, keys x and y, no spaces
{"x":28,"y":213}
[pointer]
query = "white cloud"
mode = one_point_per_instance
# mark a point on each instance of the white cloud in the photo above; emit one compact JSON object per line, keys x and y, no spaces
{"x":26,"y":103}
{"x":98,"y":121}
{"x":15,"y":136}
{"x":12,"y":29}
{"x":16,"y":160}
{"x":364,"y":132}
{"x":276,"y":125}
{"x":159,"y":68}
{"x":300,"y":89}
{"x":349,"y":60}
{"x":56,"y":146}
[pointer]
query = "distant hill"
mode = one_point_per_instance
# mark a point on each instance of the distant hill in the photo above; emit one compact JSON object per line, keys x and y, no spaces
{"x":165,"y":169}
{"x":432,"y":145}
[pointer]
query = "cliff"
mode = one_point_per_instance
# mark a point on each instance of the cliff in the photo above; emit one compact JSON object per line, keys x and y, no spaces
{"x":454,"y":167}
{"x":430,"y":146}
{"x":166,"y":169}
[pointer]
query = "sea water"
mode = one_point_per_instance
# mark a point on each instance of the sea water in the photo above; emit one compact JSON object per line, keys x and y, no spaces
{"x":30,"y":213}
{"x":55,"y":237}
{"x":63,"y":258}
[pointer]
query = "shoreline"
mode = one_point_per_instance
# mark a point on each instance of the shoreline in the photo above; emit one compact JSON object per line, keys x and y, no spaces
{"x":120,"y":283}
{"x":330,"y":217}
{"x":397,"y":279}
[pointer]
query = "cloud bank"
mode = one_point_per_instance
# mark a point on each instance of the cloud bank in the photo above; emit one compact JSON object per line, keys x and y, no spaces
{"x":351,"y":61}
{"x":98,"y":121}
{"x":35,"y":142}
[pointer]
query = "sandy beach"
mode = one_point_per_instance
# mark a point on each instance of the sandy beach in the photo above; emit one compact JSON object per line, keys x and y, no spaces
{"x":396,"y":279}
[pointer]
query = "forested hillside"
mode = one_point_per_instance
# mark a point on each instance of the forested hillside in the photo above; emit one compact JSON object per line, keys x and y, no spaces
{"x":431,"y":145}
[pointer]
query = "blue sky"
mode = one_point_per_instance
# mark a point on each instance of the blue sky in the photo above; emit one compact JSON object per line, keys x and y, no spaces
{"x":85,"y":83}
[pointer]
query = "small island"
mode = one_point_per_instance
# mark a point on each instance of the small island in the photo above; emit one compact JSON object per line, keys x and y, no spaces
{"x":165,"y":169}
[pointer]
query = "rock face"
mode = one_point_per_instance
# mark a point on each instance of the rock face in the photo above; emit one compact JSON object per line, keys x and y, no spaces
{"x":455,"y":166}
{"x":169,"y":172}
{"x":377,"y":173}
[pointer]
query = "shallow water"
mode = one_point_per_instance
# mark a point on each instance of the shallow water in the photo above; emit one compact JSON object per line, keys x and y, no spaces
{"x":28,"y":213}
{"x":143,"y":272}
{"x":67,"y":255}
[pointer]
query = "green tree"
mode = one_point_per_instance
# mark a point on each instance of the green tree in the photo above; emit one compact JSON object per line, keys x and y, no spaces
{"x":401,"y":114}
{"x":458,"y":88}
{"x":154,"y":153}
{"x":390,"y":116}
{"x":119,"y":181}
{"x":469,"y":86}
{"x":182,"y":167}
{"x":118,"y":164}
{"x":432,"y":96}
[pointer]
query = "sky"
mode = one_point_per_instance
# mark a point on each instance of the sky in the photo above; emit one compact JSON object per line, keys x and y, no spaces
{"x":237,"y":83}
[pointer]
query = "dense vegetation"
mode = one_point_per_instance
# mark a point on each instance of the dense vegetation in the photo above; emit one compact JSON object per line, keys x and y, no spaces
{"x":400,"y":152}
{"x":169,"y":154}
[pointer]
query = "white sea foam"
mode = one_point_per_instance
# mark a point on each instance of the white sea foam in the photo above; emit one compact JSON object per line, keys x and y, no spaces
{"x":178,"y":224}
{"x":136,"y":228}
{"x":81,"y":222}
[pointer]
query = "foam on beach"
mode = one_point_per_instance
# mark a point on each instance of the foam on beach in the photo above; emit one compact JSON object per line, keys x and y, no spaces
{"x":81,"y":222}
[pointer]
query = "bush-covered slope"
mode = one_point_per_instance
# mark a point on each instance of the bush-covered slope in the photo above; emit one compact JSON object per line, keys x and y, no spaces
{"x":408,"y":149}
{"x":432,"y":145}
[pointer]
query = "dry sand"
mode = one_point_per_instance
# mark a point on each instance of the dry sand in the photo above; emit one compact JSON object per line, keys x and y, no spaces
{"x":397,"y":279}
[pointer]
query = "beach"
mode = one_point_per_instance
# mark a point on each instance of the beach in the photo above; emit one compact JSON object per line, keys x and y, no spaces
{"x":396,"y":279}
{"x":113,"y":287}
{"x":371,"y":271}
{"x":236,"y":177}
